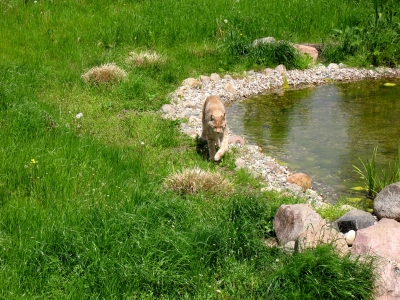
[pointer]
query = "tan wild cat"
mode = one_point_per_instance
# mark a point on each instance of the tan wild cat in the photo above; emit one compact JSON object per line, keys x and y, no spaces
{"x":215,"y":130}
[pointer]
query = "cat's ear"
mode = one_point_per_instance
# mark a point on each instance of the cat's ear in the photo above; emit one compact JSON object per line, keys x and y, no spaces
{"x":212,"y":118}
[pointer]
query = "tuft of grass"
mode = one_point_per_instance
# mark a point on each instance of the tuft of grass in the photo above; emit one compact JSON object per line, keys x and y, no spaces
{"x":107,"y":73}
{"x":145,"y":58}
{"x":375,"y":179}
{"x":196,"y":180}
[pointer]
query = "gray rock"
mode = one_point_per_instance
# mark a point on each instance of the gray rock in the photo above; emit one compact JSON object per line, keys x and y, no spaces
{"x":266,"y":40}
{"x":387,"y":202}
{"x":291,"y":220}
{"x":354,"y":220}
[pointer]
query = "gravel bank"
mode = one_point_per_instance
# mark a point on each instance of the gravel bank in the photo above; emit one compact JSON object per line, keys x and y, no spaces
{"x":187,"y":101}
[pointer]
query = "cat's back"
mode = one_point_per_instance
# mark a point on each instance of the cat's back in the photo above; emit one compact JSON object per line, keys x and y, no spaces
{"x":214,"y":106}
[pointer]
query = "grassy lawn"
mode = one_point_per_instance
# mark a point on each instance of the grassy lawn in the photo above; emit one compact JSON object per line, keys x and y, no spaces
{"x":85,"y":210}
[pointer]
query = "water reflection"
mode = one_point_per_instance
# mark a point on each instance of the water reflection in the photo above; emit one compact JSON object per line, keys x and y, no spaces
{"x":323,"y":131}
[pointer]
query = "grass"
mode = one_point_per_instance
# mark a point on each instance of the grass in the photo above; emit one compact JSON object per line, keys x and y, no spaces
{"x":84,"y":212}
{"x":377,"y":178}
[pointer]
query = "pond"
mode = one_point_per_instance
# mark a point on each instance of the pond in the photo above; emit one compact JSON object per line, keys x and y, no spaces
{"x":323,"y":131}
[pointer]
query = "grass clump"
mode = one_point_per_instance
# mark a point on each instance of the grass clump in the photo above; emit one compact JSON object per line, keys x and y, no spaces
{"x":196,"y":180}
{"x":107,"y":73}
{"x":145,"y":58}
{"x":376,"y":180}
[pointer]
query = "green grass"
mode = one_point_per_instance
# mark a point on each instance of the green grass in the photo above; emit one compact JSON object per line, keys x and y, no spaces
{"x":84,"y":213}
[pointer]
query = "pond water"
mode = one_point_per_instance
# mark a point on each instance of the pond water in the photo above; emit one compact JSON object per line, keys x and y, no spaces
{"x":323,"y":131}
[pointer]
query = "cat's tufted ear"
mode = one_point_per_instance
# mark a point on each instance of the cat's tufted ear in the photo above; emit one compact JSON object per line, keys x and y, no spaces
{"x":212,"y":118}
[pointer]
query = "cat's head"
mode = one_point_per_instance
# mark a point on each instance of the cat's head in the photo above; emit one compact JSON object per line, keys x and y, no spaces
{"x":217,"y":123}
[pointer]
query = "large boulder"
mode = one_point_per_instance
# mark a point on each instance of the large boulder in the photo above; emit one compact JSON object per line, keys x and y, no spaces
{"x":292,"y":220}
{"x":387,"y":202}
{"x":354,"y":220}
{"x":382,"y":240}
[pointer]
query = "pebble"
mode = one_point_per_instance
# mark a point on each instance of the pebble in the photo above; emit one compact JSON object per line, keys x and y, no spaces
{"x":187,"y":102}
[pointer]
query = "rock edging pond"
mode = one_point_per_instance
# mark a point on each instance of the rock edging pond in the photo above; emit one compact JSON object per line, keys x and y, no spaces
{"x":187,"y":100}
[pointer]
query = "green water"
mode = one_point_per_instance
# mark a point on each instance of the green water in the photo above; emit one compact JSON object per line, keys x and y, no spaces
{"x":323,"y":131}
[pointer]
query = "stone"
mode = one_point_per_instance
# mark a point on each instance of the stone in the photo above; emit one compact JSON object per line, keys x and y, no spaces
{"x":387,"y":286}
{"x":301,"y":180}
{"x":269,"y":71}
{"x":387,"y":202}
{"x":205,"y":79}
{"x":192,"y":82}
{"x":382,"y":240}
{"x":314,"y":236}
{"x":281,"y":69}
{"x":291,"y":220}
{"x":229,"y":88}
{"x":236,"y":140}
{"x":265,"y":40}
{"x":354,"y":220}
{"x":313,"y":52}
{"x":333,"y":66}
{"x":240,"y":163}
{"x":215,"y":77}
{"x":349,"y":237}
{"x":228,"y":77}
{"x":168,"y":109}
{"x":189,"y":104}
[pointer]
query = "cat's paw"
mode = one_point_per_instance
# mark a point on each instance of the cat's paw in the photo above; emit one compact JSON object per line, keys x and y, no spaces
{"x":218,"y":156}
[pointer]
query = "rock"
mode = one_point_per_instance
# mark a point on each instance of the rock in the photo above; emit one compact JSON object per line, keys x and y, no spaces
{"x":205,"y":79}
{"x":382,"y":240}
{"x":294,"y":188}
{"x":333,"y":66}
{"x":236,"y":140}
{"x":229,"y":88}
{"x":291,"y":220}
{"x":269,"y":71}
{"x":314,"y":236}
{"x":354,"y":220}
{"x":290,"y":246}
{"x":307,"y":50}
{"x":281,"y":69}
{"x":349,"y":237}
{"x":194,"y":83}
{"x":228,"y":77}
{"x":266,"y":40}
{"x":301,"y":180}
{"x":240,"y":163}
{"x":215,"y":77}
{"x":387,"y":286}
{"x":387,"y":202}
{"x":189,"y":104}
{"x":168,"y":109}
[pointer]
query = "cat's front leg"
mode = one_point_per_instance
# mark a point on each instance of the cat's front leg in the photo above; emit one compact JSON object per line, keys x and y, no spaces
{"x":223,"y":147}
{"x":211,"y":148}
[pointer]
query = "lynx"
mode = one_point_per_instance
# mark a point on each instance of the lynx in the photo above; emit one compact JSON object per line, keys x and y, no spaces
{"x":215,"y":130}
